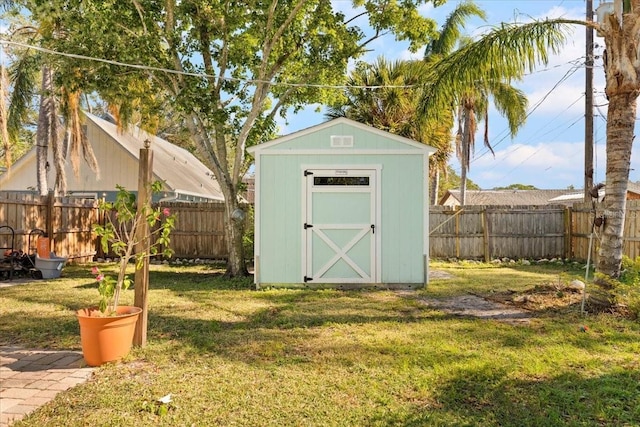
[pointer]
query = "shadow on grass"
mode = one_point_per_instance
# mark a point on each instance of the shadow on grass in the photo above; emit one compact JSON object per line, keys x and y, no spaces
{"x":206,"y":279}
{"x":262,"y":318}
{"x":487,"y":396}
{"x":43,"y":331}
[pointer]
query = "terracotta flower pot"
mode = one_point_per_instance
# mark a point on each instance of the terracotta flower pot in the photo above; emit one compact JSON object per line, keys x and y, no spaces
{"x":106,"y":339}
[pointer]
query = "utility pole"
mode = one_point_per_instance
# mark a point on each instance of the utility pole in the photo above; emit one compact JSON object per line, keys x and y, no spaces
{"x":588,"y":107}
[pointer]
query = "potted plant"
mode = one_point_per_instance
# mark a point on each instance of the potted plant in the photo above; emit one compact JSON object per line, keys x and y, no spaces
{"x":106,"y":331}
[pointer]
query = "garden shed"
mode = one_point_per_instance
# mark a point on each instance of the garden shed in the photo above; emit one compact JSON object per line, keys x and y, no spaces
{"x":341,"y":204}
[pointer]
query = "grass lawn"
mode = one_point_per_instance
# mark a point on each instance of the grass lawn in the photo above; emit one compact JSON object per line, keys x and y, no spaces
{"x":232,"y":356}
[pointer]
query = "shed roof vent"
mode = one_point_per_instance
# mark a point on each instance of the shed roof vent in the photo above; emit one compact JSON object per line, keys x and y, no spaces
{"x":341,"y":141}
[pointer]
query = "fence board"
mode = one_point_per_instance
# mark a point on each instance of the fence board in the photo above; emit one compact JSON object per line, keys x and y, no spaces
{"x":199,"y":231}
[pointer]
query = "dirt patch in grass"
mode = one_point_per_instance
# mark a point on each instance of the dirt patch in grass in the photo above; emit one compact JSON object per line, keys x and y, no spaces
{"x":542,"y":297}
{"x":508,"y":306}
{"x":475,"y":306}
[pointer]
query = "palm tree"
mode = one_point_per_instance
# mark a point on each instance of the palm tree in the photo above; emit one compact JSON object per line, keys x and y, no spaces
{"x":532,"y":42}
{"x":392,"y":105}
{"x":4,"y":115}
{"x":385,"y":95}
{"x":480,"y":71}
{"x":472,"y":99}
{"x":474,"y":102}
{"x":448,"y":39}
{"x":622,"y":72}
{"x":55,"y":102}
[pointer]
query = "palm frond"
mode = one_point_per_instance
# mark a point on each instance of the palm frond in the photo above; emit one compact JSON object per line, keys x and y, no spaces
{"x":23,"y":75}
{"x":505,"y":53}
{"x":451,"y":31}
{"x":511,"y":103}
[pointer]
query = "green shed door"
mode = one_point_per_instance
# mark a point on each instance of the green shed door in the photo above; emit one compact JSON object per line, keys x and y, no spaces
{"x":339,"y":226}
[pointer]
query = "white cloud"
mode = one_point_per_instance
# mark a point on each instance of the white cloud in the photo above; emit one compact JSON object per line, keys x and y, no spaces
{"x":550,"y":164}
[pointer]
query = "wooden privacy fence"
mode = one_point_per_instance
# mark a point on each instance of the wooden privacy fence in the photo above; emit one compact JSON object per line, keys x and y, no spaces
{"x":68,"y":222}
{"x":582,"y":216}
{"x":199,"y":231}
{"x":473,"y":232}
{"x":487,"y":232}
{"x":529,"y":232}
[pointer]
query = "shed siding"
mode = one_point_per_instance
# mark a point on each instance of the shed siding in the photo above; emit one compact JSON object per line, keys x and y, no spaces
{"x":402,"y":219}
{"x":401,"y":222}
{"x":280,"y":219}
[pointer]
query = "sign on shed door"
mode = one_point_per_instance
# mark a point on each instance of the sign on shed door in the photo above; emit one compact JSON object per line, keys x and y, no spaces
{"x":340,"y":226}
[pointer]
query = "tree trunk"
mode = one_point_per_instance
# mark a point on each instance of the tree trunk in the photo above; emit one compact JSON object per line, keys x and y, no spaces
{"x":463,"y":182}
{"x":234,"y":220}
{"x":620,"y":127}
{"x":4,"y":132}
{"x":45,"y":129}
{"x":233,"y":226}
{"x":465,"y":155}
{"x":234,"y":229}
{"x":433,"y":190}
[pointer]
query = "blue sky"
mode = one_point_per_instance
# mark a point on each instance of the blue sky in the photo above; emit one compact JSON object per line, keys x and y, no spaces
{"x":548,"y":151}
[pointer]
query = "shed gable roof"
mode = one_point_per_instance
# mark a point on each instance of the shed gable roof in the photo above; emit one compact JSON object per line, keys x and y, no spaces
{"x":340,"y":126}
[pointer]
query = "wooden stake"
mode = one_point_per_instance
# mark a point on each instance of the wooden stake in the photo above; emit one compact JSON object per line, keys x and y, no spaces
{"x":141,"y":280}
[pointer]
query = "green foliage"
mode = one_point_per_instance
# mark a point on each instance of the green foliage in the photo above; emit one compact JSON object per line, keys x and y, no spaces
{"x":517,"y":187}
{"x":628,"y":291}
{"x":452,"y":182}
{"x":248,"y":236}
{"x":505,"y":53}
{"x":630,"y":273}
{"x":121,"y":235}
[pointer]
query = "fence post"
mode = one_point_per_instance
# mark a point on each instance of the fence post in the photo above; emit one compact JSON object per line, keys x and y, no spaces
{"x":49,"y":220}
{"x":485,"y":237}
{"x":141,"y":278}
{"x":458,"y":234}
{"x":568,"y":241}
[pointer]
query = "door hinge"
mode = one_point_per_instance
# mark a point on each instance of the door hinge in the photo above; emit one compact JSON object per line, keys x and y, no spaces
{"x":306,"y":173}
{"x":307,"y":225}
{"x":307,"y":279}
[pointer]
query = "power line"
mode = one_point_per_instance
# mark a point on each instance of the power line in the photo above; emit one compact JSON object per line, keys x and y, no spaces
{"x":568,"y":74}
{"x":533,"y":154}
{"x":200,"y":75}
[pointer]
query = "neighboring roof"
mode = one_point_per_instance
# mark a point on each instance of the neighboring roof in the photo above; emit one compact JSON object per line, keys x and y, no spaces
{"x":341,"y":121}
{"x":182,"y":172}
{"x":502,"y":197}
{"x":570,"y":197}
{"x":186,"y":178}
{"x":633,"y":187}
{"x":524,"y":197}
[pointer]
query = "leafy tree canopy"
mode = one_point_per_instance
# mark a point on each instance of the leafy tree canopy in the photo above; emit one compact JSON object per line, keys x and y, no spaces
{"x":517,"y":187}
{"x":451,"y":181}
{"x":228,"y":68}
